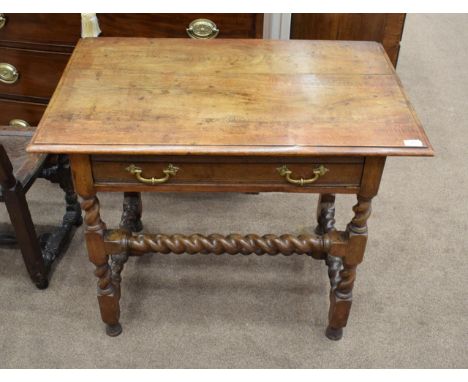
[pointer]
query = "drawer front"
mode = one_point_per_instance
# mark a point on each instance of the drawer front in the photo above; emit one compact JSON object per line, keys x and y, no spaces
{"x":65,"y":29}
{"x":41,"y":28}
{"x":37,"y":72}
{"x":13,"y":112}
{"x":235,"y":173}
{"x":232,"y":25}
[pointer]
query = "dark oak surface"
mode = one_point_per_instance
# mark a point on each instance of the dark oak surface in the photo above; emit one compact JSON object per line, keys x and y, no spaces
{"x":197,"y":97}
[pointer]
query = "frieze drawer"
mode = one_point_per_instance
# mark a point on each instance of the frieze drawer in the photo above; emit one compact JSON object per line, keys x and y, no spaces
{"x":236,"y":173}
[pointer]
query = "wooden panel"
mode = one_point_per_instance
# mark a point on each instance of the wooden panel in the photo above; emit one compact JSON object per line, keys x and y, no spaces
{"x":392,"y":35}
{"x":230,"y":25}
{"x":28,"y":111}
{"x":230,"y":97}
{"x":44,"y":28}
{"x":386,"y":28}
{"x":202,"y":172}
{"x":39,"y":72}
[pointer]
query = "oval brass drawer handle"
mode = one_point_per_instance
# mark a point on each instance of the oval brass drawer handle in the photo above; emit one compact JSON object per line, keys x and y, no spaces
{"x":202,"y":29}
{"x":286,"y":172}
{"x":2,"y":20}
{"x":169,"y":171}
{"x":18,"y":123}
{"x":8,"y":73}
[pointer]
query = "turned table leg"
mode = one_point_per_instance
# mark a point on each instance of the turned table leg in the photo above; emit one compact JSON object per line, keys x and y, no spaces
{"x":108,"y":286}
{"x":325,"y":214}
{"x":326,"y":218}
{"x":326,"y":224}
{"x":343,"y":272}
{"x":131,"y":214}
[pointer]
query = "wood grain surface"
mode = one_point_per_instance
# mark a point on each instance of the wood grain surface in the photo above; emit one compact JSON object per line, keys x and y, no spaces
{"x":230,"y":97}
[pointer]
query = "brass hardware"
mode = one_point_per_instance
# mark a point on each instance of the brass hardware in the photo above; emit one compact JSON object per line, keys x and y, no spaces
{"x":286,"y":172}
{"x":8,"y":73}
{"x":202,"y":29}
{"x":2,"y":20}
{"x":168,"y":171}
{"x":18,"y":123}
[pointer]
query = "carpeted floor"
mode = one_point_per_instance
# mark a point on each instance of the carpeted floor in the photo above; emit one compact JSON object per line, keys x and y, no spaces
{"x":410,"y":308}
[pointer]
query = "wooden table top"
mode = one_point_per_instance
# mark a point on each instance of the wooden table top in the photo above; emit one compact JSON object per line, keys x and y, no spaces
{"x":229,"y":97}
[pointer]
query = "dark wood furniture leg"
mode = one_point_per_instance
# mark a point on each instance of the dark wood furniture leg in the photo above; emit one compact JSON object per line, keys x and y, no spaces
{"x":107,"y":293}
{"x":108,"y":285}
{"x":326,"y":223}
{"x":55,"y":242}
{"x":132,"y":210}
{"x":20,"y":217}
{"x":342,"y":271}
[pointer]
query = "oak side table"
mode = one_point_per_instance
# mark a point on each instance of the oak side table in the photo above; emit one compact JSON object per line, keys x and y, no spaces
{"x":172,"y":115}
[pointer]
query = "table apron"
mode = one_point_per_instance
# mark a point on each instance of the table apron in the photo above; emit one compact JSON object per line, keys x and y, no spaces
{"x":227,"y":174}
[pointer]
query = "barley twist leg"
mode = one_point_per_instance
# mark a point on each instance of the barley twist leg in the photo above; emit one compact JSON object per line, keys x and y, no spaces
{"x":107,"y":293}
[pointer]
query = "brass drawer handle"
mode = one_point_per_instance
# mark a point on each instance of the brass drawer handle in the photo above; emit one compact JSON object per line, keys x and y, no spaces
{"x":18,"y":123}
{"x":2,"y":20}
{"x":8,"y":73}
{"x":286,"y":172}
{"x":202,"y":29}
{"x":169,"y":171}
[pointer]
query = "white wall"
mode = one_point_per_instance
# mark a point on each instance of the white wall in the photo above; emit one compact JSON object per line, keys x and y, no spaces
{"x":276,"y":26}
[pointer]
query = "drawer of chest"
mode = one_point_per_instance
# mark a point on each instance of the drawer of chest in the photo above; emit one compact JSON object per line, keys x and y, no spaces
{"x":40,"y":28}
{"x":197,"y":25}
{"x":65,"y":29}
{"x":20,"y":114}
{"x":30,"y":73}
{"x":247,"y":174}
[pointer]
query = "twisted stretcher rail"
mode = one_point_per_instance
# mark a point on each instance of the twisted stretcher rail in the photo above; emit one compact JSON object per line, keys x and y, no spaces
{"x":313,"y":245}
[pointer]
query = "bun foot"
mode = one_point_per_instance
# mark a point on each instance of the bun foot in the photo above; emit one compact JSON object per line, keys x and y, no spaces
{"x":113,"y":330}
{"x":334,"y":334}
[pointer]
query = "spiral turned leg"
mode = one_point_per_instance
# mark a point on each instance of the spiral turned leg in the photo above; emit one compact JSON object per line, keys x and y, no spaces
{"x":108,"y":291}
{"x":132,"y":210}
{"x":325,"y":214}
{"x":342,"y":275}
{"x":326,"y":224}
